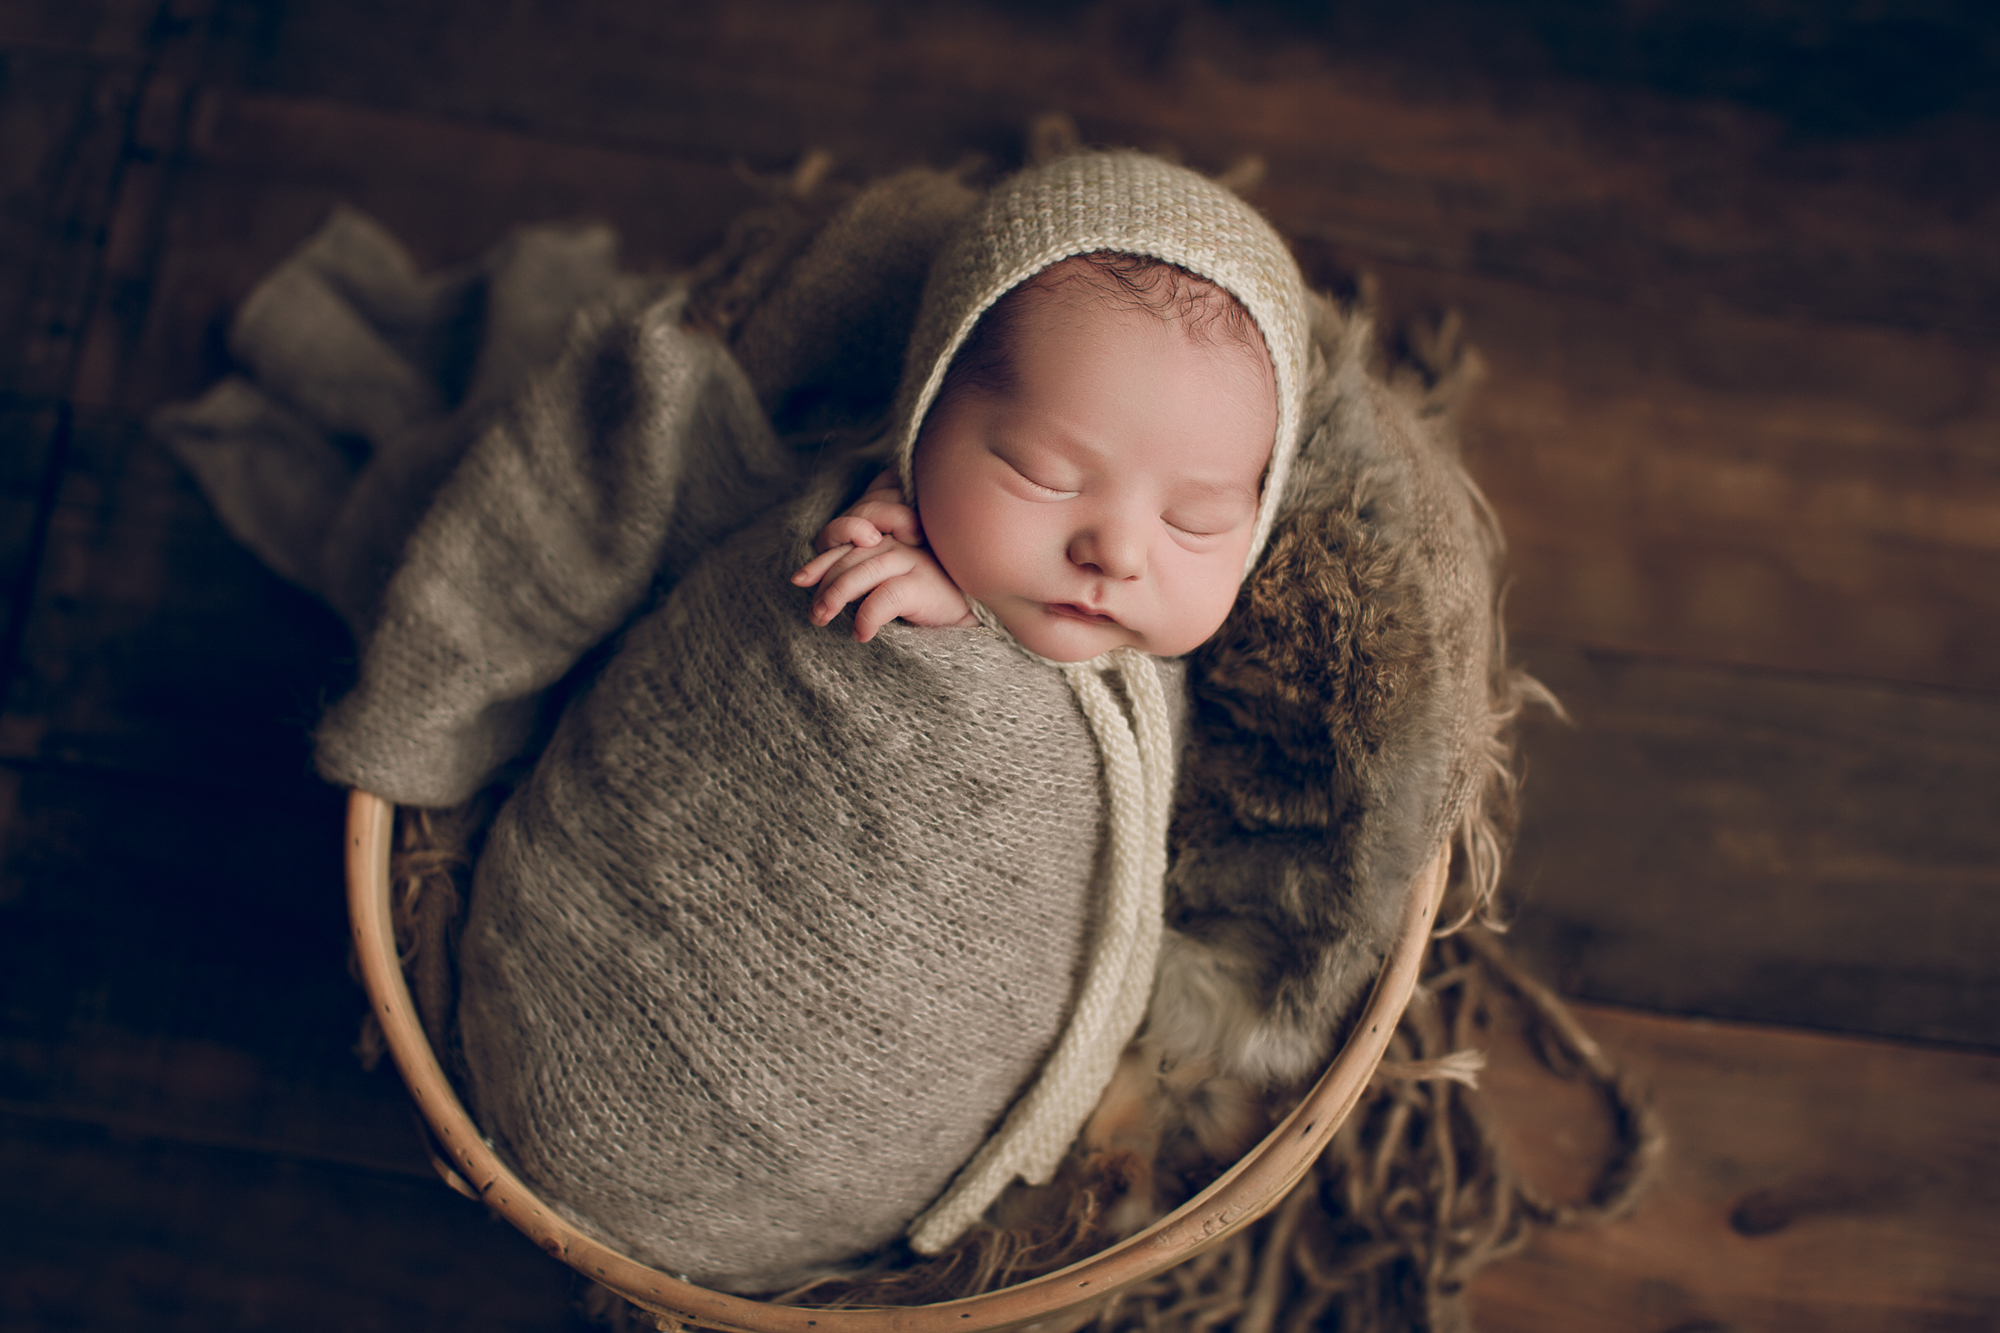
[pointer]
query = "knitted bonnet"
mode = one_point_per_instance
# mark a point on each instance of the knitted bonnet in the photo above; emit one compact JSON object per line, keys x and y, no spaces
{"x":1133,"y":204}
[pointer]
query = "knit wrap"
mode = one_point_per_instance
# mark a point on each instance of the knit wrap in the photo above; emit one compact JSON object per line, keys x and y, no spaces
{"x":781,"y":924}
{"x":1138,"y":767}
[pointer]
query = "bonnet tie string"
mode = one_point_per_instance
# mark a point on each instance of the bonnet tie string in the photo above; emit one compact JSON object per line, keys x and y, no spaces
{"x":1139,"y":771}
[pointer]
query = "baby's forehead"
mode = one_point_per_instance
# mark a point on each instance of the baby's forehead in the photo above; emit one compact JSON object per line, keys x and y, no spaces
{"x":1202,"y":317}
{"x":1104,"y":385}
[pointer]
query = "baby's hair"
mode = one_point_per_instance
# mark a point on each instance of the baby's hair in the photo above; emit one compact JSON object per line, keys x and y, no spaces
{"x":1204,"y":311}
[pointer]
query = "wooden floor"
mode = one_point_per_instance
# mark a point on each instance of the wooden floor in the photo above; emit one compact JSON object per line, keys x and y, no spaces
{"x":1733,"y":272}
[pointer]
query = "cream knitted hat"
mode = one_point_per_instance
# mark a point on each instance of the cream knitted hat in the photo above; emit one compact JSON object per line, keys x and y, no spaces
{"x":1133,"y":204}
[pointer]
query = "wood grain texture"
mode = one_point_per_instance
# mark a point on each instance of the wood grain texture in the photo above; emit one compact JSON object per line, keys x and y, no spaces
{"x":1767,"y":847}
{"x":1812,"y":1185}
{"x":1696,"y":483}
{"x":1584,"y":191}
{"x":62,"y":121}
{"x":103,"y":28}
{"x":157,"y":644}
{"x":30,"y":437}
{"x":180,"y":986}
{"x":124,"y":1233}
{"x":258,"y":174}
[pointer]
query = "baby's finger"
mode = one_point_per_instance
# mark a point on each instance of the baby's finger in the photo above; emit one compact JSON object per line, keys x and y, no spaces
{"x":815,"y":568}
{"x":892,"y":518}
{"x":848,"y":530}
{"x":879,"y":608}
{"x":857,"y":581}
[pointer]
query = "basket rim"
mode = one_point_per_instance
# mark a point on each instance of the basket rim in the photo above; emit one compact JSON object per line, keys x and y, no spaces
{"x":1243,"y":1193}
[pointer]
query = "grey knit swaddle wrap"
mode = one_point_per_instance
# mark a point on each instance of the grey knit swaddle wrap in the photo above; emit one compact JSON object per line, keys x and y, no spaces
{"x":779,"y":927}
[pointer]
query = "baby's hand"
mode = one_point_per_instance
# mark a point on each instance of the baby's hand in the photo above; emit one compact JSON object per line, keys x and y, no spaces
{"x":874,"y":552}
{"x":891,"y":580}
{"x":877,"y":514}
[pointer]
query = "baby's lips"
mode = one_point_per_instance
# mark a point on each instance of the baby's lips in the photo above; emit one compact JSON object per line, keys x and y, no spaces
{"x":1078,"y":611}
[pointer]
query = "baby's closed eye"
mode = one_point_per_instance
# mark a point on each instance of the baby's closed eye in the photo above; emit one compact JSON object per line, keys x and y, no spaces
{"x":1038,"y":486}
{"x":1208,"y":517}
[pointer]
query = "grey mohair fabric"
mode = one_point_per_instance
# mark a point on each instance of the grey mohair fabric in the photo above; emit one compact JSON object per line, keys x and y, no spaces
{"x":609,"y":477}
{"x":362,"y":382}
{"x":780,"y":924}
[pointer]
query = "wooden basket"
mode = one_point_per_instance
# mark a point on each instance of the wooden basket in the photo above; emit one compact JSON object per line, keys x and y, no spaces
{"x":1241,"y":1195}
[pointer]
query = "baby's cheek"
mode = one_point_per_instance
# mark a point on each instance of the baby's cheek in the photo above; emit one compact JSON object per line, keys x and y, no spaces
{"x":1212,"y":604}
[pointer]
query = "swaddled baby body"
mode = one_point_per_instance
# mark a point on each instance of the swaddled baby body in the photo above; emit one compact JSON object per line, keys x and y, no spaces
{"x":778,"y":926}
{"x":789,"y":935}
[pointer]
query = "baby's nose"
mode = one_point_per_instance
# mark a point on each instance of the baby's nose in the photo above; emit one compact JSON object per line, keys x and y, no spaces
{"x":1112,"y":550}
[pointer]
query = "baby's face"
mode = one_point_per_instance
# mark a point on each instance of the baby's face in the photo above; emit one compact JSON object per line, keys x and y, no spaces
{"x":1108,"y":496}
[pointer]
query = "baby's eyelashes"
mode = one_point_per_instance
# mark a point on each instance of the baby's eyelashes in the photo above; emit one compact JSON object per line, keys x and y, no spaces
{"x":1207,"y":519}
{"x":1040,"y":490}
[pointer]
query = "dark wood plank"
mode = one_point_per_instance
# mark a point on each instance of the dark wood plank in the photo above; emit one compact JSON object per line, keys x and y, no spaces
{"x":113,"y":1232}
{"x":115,"y":28}
{"x":173,"y":961}
{"x":157,"y":644}
{"x":1570,"y":187}
{"x":257,"y":174}
{"x":62,"y":119}
{"x":1812,"y":1185}
{"x":29,"y":434}
{"x":1755,"y":846}
{"x":1690,"y":482}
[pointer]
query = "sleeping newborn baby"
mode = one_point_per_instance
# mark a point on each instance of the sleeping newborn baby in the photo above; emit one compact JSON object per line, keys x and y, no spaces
{"x":794,"y":943}
{"x":1090,"y":472}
